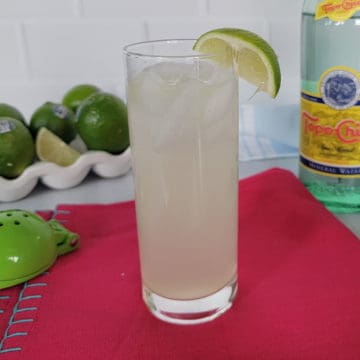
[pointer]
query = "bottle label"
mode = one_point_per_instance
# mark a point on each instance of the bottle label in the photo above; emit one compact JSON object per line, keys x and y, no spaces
{"x":337,"y":10}
{"x":330,"y":124}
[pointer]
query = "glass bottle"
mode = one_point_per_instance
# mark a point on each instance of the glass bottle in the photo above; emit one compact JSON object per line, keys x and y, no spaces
{"x":330,"y":103}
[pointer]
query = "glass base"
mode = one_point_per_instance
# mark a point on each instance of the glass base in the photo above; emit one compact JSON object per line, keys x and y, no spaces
{"x":190,"y":312}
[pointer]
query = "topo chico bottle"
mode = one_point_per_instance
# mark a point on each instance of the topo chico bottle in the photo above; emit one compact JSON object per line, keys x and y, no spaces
{"x":330,"y":103}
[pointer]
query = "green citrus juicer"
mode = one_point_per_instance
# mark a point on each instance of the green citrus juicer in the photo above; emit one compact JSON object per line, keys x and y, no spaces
{"x":29,"y":245}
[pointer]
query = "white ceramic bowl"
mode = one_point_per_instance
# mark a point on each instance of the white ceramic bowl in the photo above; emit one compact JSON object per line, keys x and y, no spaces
{"x":58,"y":177}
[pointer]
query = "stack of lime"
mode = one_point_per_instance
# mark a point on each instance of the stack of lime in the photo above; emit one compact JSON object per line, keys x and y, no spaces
{"x":100,"y":121}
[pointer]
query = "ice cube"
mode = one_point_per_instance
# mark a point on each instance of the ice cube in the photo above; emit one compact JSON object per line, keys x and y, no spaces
{"x":180,"y":99}
{"x":177,"y":124}
{"x":221,"y":98}
{"x":155,"y":88}
{"x":170,"y":73}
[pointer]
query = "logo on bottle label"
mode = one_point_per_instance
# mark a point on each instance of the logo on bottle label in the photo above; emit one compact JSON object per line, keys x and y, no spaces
{"x":340,"y":89}
{"x":337,"y":10}
{"x":330,"y":124}
{"x":346,"y":131}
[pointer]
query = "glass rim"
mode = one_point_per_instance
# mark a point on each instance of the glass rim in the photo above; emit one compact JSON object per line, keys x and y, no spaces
{"x":127,"y":50}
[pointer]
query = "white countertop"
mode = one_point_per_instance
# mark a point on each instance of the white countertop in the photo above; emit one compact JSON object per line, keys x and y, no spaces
{"x":99,"y":190}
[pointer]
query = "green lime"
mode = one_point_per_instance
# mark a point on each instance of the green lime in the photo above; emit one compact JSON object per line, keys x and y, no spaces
{"x":102,"y":123}
{"x":17,"y":149}
{"x":7,"y":110}
{"x":50,"y":147}
{"x":77,"y":94}
{"x":252,"y":57}
{"x":55,"y":117}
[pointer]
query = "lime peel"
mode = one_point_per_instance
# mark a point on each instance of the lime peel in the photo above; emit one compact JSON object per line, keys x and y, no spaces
{"x":17,"y":148}
{"x":77,"y":94}
{"x":252,"y":57}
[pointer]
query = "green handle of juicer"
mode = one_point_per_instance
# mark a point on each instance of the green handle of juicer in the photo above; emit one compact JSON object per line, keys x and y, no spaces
{"x":65,"y":240}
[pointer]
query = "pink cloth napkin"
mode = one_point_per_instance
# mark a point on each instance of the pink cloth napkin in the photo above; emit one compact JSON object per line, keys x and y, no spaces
{"x":299,"y":289}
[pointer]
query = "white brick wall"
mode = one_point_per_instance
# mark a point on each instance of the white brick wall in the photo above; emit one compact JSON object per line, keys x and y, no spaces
{"x":49,"y":45}
{"x":140,"y":8}
{"x":22,"y":9}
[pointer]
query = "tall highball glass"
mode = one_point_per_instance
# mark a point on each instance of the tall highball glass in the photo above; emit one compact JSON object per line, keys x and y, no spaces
{"x":183,"y":118}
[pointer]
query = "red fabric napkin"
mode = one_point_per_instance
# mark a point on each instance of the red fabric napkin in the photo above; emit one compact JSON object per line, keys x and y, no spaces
{"x":299,"y":289}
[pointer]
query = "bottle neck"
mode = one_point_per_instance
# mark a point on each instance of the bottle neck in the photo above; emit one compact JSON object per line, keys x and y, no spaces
{"x":310,"y":6}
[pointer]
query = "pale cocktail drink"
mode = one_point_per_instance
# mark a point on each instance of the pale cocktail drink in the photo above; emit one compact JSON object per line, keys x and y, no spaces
{"x":183,"y":117}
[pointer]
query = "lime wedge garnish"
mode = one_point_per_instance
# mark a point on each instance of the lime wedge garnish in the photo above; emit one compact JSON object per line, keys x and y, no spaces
{"x":253,"y":58}
{"x":50,"y":147}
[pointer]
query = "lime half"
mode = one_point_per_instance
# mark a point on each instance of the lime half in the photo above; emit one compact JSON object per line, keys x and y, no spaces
{"x":49,"y":147}
{"x":252,"y":57}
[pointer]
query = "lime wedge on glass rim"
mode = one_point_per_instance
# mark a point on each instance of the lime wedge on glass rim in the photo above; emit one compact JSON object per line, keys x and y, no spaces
{"x":252,"y":57}
{"x":50,"y":147}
